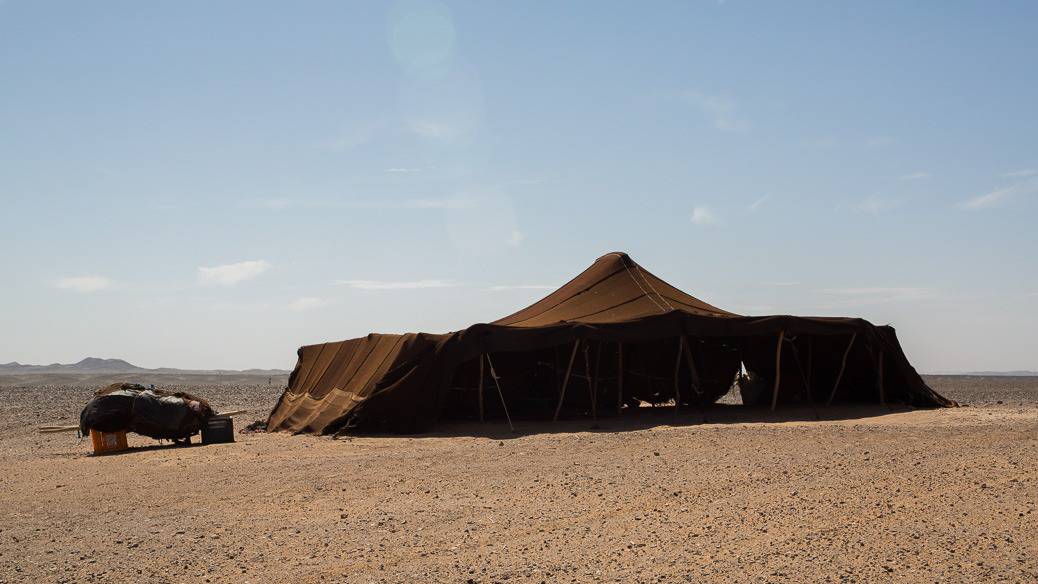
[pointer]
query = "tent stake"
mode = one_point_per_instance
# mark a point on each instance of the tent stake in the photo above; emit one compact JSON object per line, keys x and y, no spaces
{"x":482,"y":376}
{"x":500,"y":393}
{"x":565,"y":380}
{"x":843,"y":365}
{"x":778,"y":369}
{"x":619,"y":377}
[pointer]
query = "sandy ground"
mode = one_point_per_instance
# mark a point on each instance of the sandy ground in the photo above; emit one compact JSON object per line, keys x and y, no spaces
{"x":861,"y":495}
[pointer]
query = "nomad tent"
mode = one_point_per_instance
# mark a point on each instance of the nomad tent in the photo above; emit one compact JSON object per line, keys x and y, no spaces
{"x":612,"y":338}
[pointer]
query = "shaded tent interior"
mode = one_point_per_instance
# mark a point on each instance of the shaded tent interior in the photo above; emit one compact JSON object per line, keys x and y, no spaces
{"x":614,"y":337}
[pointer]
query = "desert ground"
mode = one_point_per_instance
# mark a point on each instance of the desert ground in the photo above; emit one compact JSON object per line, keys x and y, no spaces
{"x":860,"y":495}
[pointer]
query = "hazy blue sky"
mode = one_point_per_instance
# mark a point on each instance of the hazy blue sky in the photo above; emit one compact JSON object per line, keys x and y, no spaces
{"x":213,"y":184}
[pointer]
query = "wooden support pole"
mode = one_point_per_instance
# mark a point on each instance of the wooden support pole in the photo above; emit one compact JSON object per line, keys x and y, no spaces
{"x":619,"y":377}
{"x":843,"y":366}
{"x":810,"y":363}
{"x":500,"y":393}
{"x":593,"y":381}
{"x":879,"y":380}
{"x":57,"y":429}
{"x":565,"y":380}
{"x":696,"y":385}
{"x":805,"y":376}
{"x":692,"y":367}
{"x":482,"y":376}
{"x":778,"y":369}
{"x":677,"y":370}
{"x":555,"y":368}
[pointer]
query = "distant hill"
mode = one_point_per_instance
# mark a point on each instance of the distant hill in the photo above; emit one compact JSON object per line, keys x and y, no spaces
{"x":1021,"y":373}
{"x":1002,"y":373}
{"x":93,"y":365}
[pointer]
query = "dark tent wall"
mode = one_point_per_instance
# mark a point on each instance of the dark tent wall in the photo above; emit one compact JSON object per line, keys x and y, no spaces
{"x":623,"y":336}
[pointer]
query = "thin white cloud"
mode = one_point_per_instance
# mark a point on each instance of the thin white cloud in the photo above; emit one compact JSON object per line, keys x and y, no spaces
{"x":435,"y":130}
{"x":781,"y":283}
{"x":1001,"y":195}
{"x":418,"y":203}
{"x":915,"y":176}
{"x":306,"y":303}
{"x":276,"y":203}
{"x":842,"y":297}
{"x":516,"y":238}
{"x":231,"y":274}
{"x":878,"y":142}
{"x":441,"y":203}
{"x":84,"y":284}
{"x":703,"y":215}
{"x":403,"y":170}
{"x":355,"y":137}
{"x":722,"y":112}
{"x":986,"y":200}
{"x":527,"y":181}
{"x":757,"y":204}
{"x":876,"y":205}
{"x":1021,"y":173}
{"x":500,"y":288}
{"x":390,"y":285}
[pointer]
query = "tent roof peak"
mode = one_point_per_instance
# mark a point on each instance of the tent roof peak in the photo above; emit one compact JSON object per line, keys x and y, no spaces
{"x":613,"y":289}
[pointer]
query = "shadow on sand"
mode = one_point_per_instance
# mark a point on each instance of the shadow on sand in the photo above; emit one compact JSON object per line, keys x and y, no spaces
{"x":148,"y":448}
{"x":651,"y":417}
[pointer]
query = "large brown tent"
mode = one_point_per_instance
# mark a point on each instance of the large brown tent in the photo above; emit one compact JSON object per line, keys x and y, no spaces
{"x":613,"y":337}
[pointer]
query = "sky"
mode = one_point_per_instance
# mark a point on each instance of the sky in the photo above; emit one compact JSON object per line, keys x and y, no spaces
{"x":214,"y":184}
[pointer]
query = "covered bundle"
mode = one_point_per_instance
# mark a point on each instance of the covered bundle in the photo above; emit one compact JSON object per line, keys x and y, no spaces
{"x":155,"y":413}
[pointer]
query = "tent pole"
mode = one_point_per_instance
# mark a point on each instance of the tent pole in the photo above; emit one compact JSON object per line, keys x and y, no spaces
{"x":692,"y":366}
{"x":482,"y":376}
{"x":593,"y":382}
{"x":555,"y":370}
{"x":565,"y":380}
{"x":806,"y":377}
{"x":677,"y":370}
{"x":695,"y":377}
{"x":619,"y":377}
{"x":810,"y":363}
{"x":778,"y":369}
{"x":879,"y":380}
{"x":500,"y":393}
{"x":843,"y":365}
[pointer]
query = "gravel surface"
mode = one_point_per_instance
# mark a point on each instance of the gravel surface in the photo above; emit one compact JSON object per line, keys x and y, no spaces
{"x":862,"y":495}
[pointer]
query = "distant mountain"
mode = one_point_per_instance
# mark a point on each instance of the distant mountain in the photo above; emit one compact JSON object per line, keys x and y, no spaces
{"x":1002,"y":373}
{"x":1021,"y":373}
{"x":93,"y":365}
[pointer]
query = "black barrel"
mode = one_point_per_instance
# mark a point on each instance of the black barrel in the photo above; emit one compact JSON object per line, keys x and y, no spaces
{"x":218,"y":430}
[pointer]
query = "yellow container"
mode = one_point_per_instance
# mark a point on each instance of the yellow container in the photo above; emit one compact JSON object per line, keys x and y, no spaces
{"x":105,"y":442}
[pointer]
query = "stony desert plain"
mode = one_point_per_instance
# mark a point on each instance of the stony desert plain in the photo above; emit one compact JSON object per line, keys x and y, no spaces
{"x":865,"y":494}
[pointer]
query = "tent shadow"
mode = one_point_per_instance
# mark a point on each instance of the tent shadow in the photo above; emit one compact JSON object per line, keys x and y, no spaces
{"x":148,"y":448}
{"x":654,"y":417}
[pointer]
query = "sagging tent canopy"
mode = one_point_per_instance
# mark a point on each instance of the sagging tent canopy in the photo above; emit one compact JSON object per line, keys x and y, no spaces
{"x":611,"y":338}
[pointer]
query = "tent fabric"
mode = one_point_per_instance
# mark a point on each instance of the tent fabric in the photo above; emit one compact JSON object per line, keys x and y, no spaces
{"x":402,"y":382}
